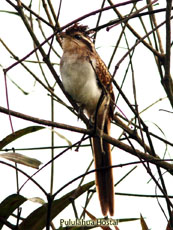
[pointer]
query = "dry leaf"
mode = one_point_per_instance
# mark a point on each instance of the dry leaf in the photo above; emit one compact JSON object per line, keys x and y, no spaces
{"x":62,"y":137}
{"x":116,"y":228}
{"x":143,"y":223}
{"x":169,"y":224}
{"x":37,"y":200}
{"x":22,"y":159}
{"x":98,"y":220}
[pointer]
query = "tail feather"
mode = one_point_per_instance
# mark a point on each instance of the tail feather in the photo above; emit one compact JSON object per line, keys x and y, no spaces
{"x":104,"y":178}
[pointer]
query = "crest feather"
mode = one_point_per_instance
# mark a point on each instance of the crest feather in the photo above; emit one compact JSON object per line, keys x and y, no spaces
{"x":78,"y":28}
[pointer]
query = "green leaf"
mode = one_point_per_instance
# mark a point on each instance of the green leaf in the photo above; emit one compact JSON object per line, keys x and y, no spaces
{"x":13,"y":136}
{"x":10,"y":204}
{"x":37,"y":219}
{"x":127,"y":220}
{"x":9,"y":12}
{"x":22,"y":159}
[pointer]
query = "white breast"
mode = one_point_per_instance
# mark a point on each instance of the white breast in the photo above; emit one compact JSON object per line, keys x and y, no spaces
{"x":79,"y":80}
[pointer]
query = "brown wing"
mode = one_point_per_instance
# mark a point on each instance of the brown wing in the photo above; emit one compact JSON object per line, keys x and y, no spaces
{"x":102,"y":150}
{"x":105,"y":80}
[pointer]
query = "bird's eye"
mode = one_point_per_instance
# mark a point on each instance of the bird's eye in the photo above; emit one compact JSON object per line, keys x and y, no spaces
{"x":77,"y":36}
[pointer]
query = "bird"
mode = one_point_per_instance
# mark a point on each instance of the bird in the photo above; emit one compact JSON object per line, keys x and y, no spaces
{"x":87,"y":80}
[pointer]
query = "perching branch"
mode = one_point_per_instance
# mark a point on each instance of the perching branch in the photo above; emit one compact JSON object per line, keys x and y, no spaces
{"x":111,"y":140}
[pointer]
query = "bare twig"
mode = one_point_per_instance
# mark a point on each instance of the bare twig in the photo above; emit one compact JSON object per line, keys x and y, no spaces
{"x":45,"y":122}
{"x":161,"y":57}
{"x":132,"y":15}
{"x":119,"y":144}
{"x":167,"y":80}
{"x":98,"y":21}
{"x":25,"y":174}
{"x":136,"y":34}
{"x":153,"y":19}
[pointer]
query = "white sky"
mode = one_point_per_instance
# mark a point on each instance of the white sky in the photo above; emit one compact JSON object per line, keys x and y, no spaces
{"x":72,"y":164}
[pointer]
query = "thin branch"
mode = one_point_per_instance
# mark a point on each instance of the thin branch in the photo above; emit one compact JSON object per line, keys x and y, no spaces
{"x":154,"y":160}
{"x":31,"y":11}
{"x":148,"y":169}
{"x":45,"y":122}
{"x":37,"y":79}
{"x":7,"y":223}
{"x":136,"y":13}
{"x":113,"y":6}
{"x":154,"y":22}
{"x":7,"y":101}
{"x":47,"y":12}
{"x":47,"y":61}
{"x":161,"y":57}
{"x":52,"y":11}
{"x":98,"y":169}
{"x":59,"y":10}
{"x":39,"y":45}
{"x":168,"y":38}
{"x":37,"y":56}
{"x":53,"y":159}
{"x":141,"y":195}
{"x":167,"y":80}
{"x":40,"y":148}
{"x":132,"y":133}
{"x":98,"y":21}
{"x":52,"y":145}
{"x":127,"y":174}
{"x":117,"y":44}
{"x":117,"y":21}
{"x":153,"y":19}
{"x":137,"y":35}
{"x":25,"y":174}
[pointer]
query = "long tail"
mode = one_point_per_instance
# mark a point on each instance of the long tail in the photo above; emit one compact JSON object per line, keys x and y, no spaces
{"x":104,"y":178}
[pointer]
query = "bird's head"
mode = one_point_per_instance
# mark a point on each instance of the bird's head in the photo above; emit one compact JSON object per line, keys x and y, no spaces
{"x":76,"y":37}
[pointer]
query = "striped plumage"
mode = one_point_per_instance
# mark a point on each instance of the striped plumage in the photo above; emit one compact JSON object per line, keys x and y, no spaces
{"x":86,"y":78}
